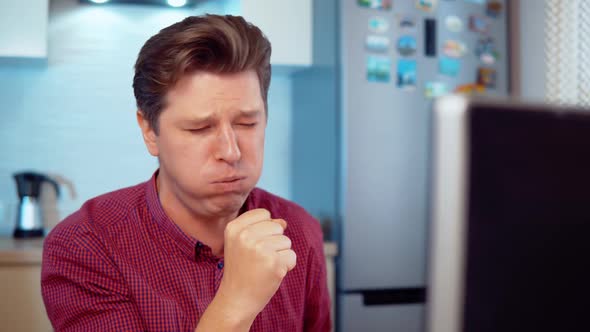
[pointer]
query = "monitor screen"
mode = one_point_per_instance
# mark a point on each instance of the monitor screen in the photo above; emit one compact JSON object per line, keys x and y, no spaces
{"x":522,"y":229}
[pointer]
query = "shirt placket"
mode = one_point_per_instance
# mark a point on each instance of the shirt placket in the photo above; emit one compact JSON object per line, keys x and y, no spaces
{"x":219,"y":272}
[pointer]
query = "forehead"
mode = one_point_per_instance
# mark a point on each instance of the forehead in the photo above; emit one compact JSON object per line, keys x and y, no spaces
{"x":212,"y":92}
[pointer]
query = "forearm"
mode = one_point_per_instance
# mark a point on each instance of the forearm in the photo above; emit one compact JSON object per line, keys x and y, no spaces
{"x":222,"y":315}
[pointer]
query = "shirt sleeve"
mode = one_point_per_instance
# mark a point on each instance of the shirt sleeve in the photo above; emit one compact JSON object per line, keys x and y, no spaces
{"x":82,"y":288}
{"x":317,"y":303}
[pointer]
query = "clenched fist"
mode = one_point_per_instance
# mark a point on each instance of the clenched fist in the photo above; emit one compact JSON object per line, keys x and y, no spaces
{"x":257,"y":257}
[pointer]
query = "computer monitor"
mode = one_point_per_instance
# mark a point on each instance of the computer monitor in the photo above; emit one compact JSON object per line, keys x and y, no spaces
{"x":510,"y":237}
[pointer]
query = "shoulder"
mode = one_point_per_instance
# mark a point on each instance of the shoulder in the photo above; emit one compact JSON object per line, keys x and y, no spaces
{"x":302,"y":227}
{"x":99,"y":214}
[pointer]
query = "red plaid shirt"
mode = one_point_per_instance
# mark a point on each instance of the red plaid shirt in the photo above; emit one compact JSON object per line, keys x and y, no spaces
{"x":120,"y":264}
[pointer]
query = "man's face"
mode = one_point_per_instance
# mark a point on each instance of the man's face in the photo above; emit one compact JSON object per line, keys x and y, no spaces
{"x":211,"y":141}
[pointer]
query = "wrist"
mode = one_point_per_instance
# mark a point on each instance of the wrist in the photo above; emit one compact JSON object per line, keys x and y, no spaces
{"x":237,"y":313}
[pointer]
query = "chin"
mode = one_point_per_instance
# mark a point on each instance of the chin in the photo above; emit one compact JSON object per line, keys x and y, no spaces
{"x":228,"y":203}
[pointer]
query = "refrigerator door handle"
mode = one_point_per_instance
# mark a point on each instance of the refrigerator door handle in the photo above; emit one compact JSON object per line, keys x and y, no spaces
{"x":391,"y":296}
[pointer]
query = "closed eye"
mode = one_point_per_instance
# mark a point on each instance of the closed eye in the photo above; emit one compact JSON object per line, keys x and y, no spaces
{"x":199,"y":130}
{"x":248,"y":124}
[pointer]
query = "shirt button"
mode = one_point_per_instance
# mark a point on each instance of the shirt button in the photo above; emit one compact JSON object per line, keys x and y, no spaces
{"x":199,"y":244}
{"x":220,"y":265}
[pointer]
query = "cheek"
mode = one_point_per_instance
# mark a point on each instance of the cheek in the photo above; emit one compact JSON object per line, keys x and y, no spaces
{"x":260,"y":146}
{"x":253,"y":148}
{"x":184,"y":150}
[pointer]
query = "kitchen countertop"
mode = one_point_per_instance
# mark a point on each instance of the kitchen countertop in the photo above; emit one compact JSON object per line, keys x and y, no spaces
{"x":16,"y":251}
{"x":30,"y":251}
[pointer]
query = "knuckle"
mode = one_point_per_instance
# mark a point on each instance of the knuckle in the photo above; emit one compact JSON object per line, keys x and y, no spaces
{"x":244,"y":236}
{"x":271,"y":263}
{"x":259,"y":247}
{"x":292,"y":255}
{"x":288,"y":241}
{"x":263,"y":213}
{"x":229,"y":230}
{"x":281,"y":272}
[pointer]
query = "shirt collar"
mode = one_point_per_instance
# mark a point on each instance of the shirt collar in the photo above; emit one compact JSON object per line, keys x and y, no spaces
{"x":188,"y":245}
{"x":184,"y":242}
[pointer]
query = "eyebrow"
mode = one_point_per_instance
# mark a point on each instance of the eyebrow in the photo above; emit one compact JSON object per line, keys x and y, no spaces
{"x":252,"y":113}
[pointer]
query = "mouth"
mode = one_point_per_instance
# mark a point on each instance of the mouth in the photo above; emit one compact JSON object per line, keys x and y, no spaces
{"x":231,"y":184}
{"x":230,"y":179}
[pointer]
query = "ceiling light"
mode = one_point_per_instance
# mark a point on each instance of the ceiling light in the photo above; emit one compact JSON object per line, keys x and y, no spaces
{"x":177,"y":3}
{"x":99,"y":1}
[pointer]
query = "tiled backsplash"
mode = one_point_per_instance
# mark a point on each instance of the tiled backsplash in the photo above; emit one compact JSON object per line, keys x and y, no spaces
{"x":75,"y":115}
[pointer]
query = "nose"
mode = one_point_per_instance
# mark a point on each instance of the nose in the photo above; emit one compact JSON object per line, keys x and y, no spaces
{"x":227,"y":145}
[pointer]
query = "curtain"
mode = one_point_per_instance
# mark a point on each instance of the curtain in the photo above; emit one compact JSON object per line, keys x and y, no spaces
{"x":567,"y":51}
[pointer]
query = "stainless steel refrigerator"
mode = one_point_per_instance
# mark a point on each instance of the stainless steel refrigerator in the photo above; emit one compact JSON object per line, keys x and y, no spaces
{"x":395,"y":57}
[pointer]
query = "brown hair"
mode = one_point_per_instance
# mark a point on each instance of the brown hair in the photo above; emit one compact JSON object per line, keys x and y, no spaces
{"x":213,"y":43}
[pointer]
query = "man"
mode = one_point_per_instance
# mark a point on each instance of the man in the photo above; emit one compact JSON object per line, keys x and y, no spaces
{"x":197,"y":247}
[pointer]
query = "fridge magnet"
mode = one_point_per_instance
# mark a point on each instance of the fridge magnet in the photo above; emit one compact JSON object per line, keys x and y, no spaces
{"x":449,"y":66}
{"x":488,"y":59}
{"x":470,"y":89}
{"x":454,"y":48}
{"x":454,"y":23}
{"x":494,"y":8}
{"x":478,"y":24}
{"x":407,"y":23}
{"x":429,"y":37}
{"x":378,"y":68}
{"x":486,"y":77}
{"x":378,"y":24}
{"x":479,"y":2}
{"x":375,"y":4}
{"x":426,"y":5}
{"x":406,"y":45}
{"x":435,"y":89}
{"x":377,"y":43}
{"x":406,"y":74}
{"x":485,"y":49}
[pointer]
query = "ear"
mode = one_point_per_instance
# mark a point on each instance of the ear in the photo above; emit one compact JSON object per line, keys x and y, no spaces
{"x":149,"y":135}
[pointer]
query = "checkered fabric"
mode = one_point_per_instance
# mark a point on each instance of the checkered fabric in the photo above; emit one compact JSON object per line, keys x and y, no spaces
{"x":120,"y":264}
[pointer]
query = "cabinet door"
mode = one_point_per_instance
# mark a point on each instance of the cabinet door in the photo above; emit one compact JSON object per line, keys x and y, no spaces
{"x":21,"y":305}
{"x":288,"y":26}
{"x":23,"y":28}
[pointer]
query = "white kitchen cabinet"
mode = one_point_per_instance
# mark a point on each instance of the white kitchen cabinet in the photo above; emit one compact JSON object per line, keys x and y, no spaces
{"x":288,"y":25}
{"x":21,"y":305}
{"x":23,"y":28}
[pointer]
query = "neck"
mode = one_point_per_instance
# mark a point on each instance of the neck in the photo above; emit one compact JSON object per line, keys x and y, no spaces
{"x":208,"y":229}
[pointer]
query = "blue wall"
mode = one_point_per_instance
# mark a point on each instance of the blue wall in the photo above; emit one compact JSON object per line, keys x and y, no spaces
{"x":316,"y":179}
{"x":315,"y":142}
{"x":75,"y":114}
